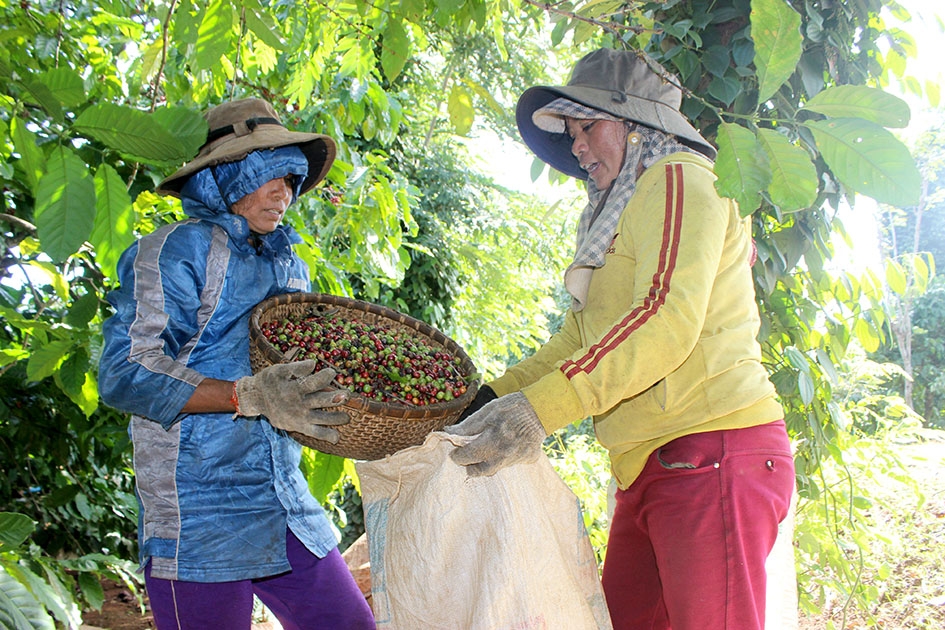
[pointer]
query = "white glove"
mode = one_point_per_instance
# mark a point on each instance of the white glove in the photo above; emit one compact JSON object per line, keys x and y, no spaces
{"x":293,"y":399}
{"x":509,"y":432}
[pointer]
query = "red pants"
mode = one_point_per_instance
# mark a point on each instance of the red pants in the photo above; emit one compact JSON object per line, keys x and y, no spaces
{"x":689,"y":538}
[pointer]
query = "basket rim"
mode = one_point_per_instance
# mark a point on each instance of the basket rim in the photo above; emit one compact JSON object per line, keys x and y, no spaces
{"x":361,"y":403}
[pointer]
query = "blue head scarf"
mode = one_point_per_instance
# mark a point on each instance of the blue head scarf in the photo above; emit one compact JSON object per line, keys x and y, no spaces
{"x":213,"y":190}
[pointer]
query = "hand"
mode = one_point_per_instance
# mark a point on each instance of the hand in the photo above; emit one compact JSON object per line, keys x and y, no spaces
{"x":483,"y":396}
{"x":509,"y":432}
{"x":293,"y":399}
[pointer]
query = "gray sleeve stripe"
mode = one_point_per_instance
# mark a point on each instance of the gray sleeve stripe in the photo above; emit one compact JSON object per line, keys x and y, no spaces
{"x":156,"y":455}
{"x":147,"y":347}
{"x":217,"y":262}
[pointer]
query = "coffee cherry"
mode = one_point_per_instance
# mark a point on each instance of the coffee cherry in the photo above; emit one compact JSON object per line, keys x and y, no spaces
{"x":373,"y":360}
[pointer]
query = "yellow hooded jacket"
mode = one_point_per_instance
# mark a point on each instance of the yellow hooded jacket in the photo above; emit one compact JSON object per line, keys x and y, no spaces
{"x":666,"y":344}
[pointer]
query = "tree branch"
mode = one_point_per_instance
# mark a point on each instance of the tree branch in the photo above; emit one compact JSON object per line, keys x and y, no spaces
{"x":611,"y":27}
{"x":617,"y":30}
{"x":159,"y":75}
{"x":9,"y":218}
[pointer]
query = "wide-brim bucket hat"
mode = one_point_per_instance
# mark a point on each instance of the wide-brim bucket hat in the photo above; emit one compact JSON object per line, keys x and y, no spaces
{"x":618,"y":82}
{"x":237,"y":128}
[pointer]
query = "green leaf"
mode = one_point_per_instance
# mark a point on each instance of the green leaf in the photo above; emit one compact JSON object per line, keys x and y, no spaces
{"x":537,"y":168}
{"x":805,"y":385}
{"x":150,"y":62}
{"x":559,"y":31}
{"x":921,"y":273}
{"x":86,"y":395}
{"x":461,"y":110}
{"x":716,"y":60}
{"x":598,"y":8}
{"x":896,"y":277}
{"x":133,"y":133}
{"x":92,"y":589}
{"x":775,"y":29}
{"x":262,"y":24}
{"x":28,"y":325}
{"x":32,"y":161}
{"x":797,"y":359}
{"x":741,"y":167}
{"x":322,"y":472}
{"x":933,"y":93}
{"x":53,"y":275}
{"x":486,"y":96}
{"x":868,"y":159}
{"x":395,"y":48}
{"x":6,"y":151}
{"x":185,"y":24}
{"x":14,"y":529}
{"x":10,"y":355}
{"x":66,"y":85}
{"x":866,"y":335}
{"x":863,"y":503}
{"x":678,"y":28}
{"x":582,"y":32}
{"x":725,"y":89}
{"x":82,"y":505}
{"x":61,"y":495}
{"x":215,"y":34}
{"x":811,"y":71}
{"x":46,"y":359}
{"x":369,"y":128}
{"x":827,"y":366}
{"x":65,"y":205}
{"x":113,"y":228}
{"x":185,"y":125}
{"x":793,"y":176}
{"x":44,"y":97}
{"x":56,"y":595}
{"x":743,"y":51}
{"x":82,"y":311}
{"x":72,"y":373}
{"x":860,"y":101}
{"x":19,"y":610}
{"x":686,"y":62}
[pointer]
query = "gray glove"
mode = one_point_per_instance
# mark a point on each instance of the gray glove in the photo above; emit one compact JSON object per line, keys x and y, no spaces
{"x":292,"y":399}
{"x":509,"y":432}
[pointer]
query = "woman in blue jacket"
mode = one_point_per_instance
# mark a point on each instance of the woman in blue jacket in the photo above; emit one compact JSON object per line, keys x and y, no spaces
{"x":224,"y":511}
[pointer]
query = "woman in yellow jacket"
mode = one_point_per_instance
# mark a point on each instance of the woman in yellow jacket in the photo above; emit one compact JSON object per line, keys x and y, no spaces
{"x":659,"y":347}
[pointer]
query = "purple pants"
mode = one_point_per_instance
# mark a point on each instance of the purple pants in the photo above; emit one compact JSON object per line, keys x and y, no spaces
{"x":689,"y":538}
{"x":316,"y":593}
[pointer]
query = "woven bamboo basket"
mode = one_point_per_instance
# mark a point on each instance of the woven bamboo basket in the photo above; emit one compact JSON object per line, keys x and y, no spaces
{"x":376,"y":429}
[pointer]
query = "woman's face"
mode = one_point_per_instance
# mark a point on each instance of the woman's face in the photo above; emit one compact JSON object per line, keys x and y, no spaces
{"x":264,"y":208}
{"x":599,"y":146}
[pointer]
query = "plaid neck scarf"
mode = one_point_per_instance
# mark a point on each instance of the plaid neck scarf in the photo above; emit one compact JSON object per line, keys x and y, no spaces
{"x":598,"y":222}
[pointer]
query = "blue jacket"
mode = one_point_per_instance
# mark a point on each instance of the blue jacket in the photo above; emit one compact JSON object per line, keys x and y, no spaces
{"x":215,"y":493}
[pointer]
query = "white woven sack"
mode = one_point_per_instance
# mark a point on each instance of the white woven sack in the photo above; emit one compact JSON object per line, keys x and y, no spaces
{"x":451,"y":552}
{"x":781,"y":607}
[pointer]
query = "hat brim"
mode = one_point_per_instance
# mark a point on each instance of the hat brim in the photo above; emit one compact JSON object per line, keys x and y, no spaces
{"x":552,"y":148}
{"x":555,"y":148}
{"x":319,"y":150}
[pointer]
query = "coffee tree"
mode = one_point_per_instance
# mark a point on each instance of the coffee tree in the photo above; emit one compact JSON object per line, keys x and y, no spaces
{"x":100,"y":100}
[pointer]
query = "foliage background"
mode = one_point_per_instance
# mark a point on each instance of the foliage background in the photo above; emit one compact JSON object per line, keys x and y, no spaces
{"x":100,"y":100}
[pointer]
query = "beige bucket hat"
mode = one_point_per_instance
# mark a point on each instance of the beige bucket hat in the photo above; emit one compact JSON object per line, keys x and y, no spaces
{"x":237,"y":128}
{"x":617,"y":82}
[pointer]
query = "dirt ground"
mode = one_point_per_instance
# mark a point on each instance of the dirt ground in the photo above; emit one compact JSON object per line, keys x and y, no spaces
{"x":121,"y":610}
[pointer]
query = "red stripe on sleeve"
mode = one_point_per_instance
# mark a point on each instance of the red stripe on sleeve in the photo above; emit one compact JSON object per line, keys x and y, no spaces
{"x":659,"y":287}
